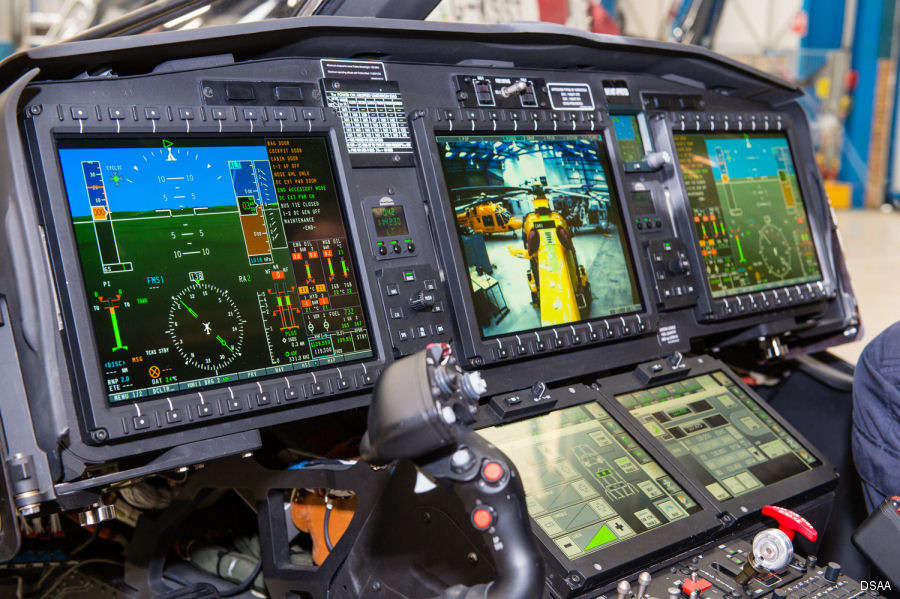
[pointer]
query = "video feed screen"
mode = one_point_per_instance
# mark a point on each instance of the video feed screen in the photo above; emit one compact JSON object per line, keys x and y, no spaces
{"x":589,"y":484}
{"x":540,"y":229}
{"x":628,"y":137}
{"x":719,"y":434}
{"x":211,"y":261}
{"x":748,"y":211}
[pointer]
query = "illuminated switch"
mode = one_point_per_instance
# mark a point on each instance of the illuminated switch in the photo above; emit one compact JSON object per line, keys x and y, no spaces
{"x":219,"y":114}
{"x":151,"y":113}
{"x":79,"y":113}
{"x":343,"y":384}
{"x":186,"y":114}
{"x":291,"y":393}
{"x":251,"y":114}
{"x":174,"y":416}
{"x":317,"y":388}
{"x":264,"y":399}
{"x":116,"y":113}
{"x":204,"y":409}
{"x":234,"y":404}
{"x":141,"y":422}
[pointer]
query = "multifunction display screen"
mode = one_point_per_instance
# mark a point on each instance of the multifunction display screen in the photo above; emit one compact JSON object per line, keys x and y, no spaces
{"x":540,"y":229}
{"x":210,"y":261}
{"x":719,"y":434}
{"x":589,"y":484}
{"x":628,"y":137}
{"x":748,"y":212}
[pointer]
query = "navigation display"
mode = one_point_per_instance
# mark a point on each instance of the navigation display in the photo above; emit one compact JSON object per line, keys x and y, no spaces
{"x":540,"y":229}
{"x":747,"y":208}
{"x":589,"y":484}
{"x":211,"y":261}
{"x":719,"y":434}
{"x":628,"y":137}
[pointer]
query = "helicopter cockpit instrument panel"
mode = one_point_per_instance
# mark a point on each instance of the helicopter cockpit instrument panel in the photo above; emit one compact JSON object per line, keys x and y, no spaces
{"x":213,"y":232}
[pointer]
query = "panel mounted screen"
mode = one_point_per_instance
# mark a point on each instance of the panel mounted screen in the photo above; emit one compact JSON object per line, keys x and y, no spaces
{"x":211,"y":261}
{"x":589,"y":485}
{"x":628,"y":137}
{"x":748,"y":211}
{"x":540,"y":229}
{"x":719,"y":434}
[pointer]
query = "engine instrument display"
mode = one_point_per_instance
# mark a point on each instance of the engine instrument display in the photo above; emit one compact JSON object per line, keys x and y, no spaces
{"x":211,"y":261}
{"x":748,"y":211}
{"x":719,"y":434}
{"x":589,"y":484}
{"x":540,"y":229}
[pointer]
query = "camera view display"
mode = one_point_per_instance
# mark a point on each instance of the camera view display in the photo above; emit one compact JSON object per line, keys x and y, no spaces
{"x":588,"y":483}
{"x":540,"y":229}
{"x":211,"y":261}
{"x":748,"y":212}
{"x":719,"y":434}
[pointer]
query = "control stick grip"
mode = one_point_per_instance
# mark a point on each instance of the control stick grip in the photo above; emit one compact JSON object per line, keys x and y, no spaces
{"x":790,"y":522}
{"x":495,"y":503}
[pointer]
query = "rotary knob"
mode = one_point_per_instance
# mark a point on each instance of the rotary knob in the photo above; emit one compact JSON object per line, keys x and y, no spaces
{"x":421,"y":300}
{"x":832,"y":571}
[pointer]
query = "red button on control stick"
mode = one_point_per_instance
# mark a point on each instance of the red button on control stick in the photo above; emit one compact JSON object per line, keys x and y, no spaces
{"x":790,"y":522}
{"x":492,"y":472}
{"x":483,"y":518}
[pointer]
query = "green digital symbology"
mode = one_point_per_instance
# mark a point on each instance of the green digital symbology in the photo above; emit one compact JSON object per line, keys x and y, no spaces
{"x":748,"y":211}
{"x":211,"y":261}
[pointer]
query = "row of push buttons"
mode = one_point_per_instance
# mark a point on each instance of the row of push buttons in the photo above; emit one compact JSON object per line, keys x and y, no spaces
{"x":501,"y":119}
{"x":209,"y":407}
{"x":573,"y":335}
{"x":767,"y":300}
{"x":191,"y":113}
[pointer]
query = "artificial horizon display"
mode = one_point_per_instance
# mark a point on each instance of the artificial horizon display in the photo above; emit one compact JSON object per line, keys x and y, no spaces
{"x":540,"y":229}
{"x":748,"y":211}
{"x":211,"y":261}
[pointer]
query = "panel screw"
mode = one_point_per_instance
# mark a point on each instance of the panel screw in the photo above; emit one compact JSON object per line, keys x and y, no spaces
{"x":208,"y":92}
{"x":99,"y":435}
{"x":36,"y":109}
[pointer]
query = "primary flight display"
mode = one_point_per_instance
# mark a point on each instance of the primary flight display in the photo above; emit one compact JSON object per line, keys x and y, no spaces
{"x":210,"y":261}
{"x":748,"y":211}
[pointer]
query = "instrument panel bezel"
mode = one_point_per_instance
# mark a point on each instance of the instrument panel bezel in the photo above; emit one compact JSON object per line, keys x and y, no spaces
{"x":476,"y":350}
{"x":102,"y":423}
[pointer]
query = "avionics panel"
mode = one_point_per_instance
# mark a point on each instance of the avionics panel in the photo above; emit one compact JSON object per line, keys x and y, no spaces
{"x":748,"y":211}
{"x":540,"y":228}
{"x":211,"y":261}
{"x":589,"y":484}
{"x":719,"y":434}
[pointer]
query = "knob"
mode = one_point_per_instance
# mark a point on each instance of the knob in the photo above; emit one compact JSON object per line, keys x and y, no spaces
{"x":514,"y":88}
{"x":461,"y":460}
{"x":538,"y":391}
{"x":677,"y":266}
{"x":832,"y":571}
{"x":780,"y":593}
{"x":623,"y":590}
{"x":772,"y":549}
{"x":644,"y":581}
{"x":657,"y":160}
{"x":674,"y":593}
{"x":421,"y":300}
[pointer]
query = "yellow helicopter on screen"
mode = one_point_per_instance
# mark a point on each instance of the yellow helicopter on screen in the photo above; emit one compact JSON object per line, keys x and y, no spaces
{"x":481,"y":210}
{"x":558,"y":283}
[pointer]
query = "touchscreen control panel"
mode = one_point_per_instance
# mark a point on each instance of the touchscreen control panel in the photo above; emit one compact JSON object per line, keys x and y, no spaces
{"x":719,"y":434}
{"x":590,"y":485}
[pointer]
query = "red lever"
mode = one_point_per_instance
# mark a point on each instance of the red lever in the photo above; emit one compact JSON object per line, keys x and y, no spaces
{"x":790,"y":522}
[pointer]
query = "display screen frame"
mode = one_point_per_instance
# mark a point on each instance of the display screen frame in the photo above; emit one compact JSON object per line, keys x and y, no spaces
{"x":812,"y":218}
{"x":105,"y":424}
{"x":805,"y":484}
{"x":472,"y":341}
{"x":628,"y":553}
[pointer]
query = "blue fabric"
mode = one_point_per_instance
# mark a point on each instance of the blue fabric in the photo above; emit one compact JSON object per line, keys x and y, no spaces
{"x":876,"y":417}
